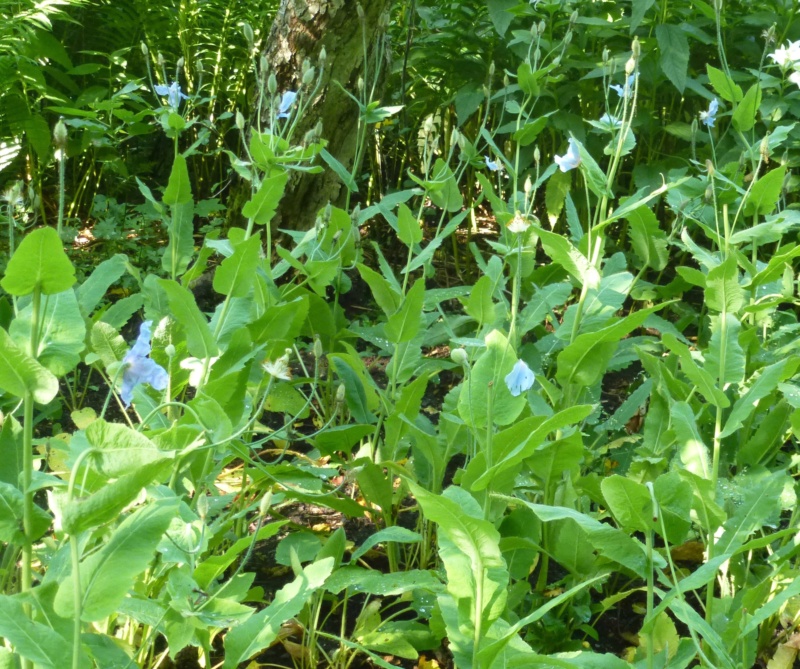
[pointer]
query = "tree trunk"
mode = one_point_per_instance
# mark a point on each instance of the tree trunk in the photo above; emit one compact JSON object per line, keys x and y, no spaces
{"x":300,"y":30}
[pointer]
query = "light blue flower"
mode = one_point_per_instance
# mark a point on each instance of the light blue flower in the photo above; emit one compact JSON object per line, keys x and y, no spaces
{"x":286,"y":103}
{"x":571,"y":159}
{"x":139,"y":368}
{"x":709,"y":117}
{"x":173,"y":93}
{"x":621,"y":89}
{"x":520,"y":379}
{"x":493,"y":165}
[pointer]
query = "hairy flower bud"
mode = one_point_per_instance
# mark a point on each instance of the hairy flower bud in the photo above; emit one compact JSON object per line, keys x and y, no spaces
{"x":636,"y":49}
{"x":179,"y":65}
{"x":272,"y":84}
{"x":248,"y":34}
{"x":323,"y":55}
{"x":145,"y":50}
{"x":239,"y":120}
{"x":308,"y":76}
{"x":265,"y":503}
{"x":202,"y":505}
{"x":537,"y":155}
{"x":630,"y":66}
{"x":340,"y":394}
{"x":160,"y":60}
{"x":60,"y":136}
{"x":360,"y":11}
{"x":764,"y":148}
{"x":459,"y":356}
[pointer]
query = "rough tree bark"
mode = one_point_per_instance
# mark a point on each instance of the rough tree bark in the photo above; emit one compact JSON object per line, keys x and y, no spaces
{"x":300,"y":30}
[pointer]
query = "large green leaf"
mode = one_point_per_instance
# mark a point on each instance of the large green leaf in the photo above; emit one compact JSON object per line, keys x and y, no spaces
{"x":199,"y":338}
{"x":107,"y":574}
{"x":484,"y":395}
{"x":94,"y":289}
{"x":20,"y":374}
{"x":179,"y":188}
{"x":62,"y":332}
{"x":261,"y":208}
{"x":120,"y":450}
{"x":725,"y":359}
{"x":744,"y":116}
{"x":257,"y":633}
{"x":236,"y":274}
{"x":703,"y":380}
{"x":180,"y":249}
{"x":766,"y":192}
{"x":39,"y":262}
{"x":34,"y":641}
{"x":723,"y":292}
{"x":674,"y":48}
{"x":404,"y":324}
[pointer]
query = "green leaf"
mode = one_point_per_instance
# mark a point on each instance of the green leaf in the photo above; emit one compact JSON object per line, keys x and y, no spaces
{"x":703,"y":380}
{"x":744,"y":116}
{"x":180,"y":249}
{"x":20,"y":374}
{"x":561,"y":250}
{"x":766,"y":382}
{"x":340,"y":170}
{"x":405,"y":323}
{"x":528,"y":133}
{"x":691,"y":447}
{"x":179,"y":188}
{"x":120,"y":449}
{"x":355,"y":393}
{"x":384,"y":293}
{"x":765,"y":193}
{"x":94,"y":289}
{"x":257,"y":633}
{"x":630,"y":503}
{"x":107,"y":503}
{"x":408,"y":228}
{"x":12,"y":503}
{"x":584,"y":361}
{"x":62,"y":332}
{"x":261,"y":208}
{"x":486,"y":378}
{"x":500,"y":14}
{"x":396,"y":534}
{"x":594,"y":176}
{"x":723,"y":84}
{"x":638,"y":11}
{"x":525,"y":439}
{"x":480,"y":305}
{"x":107,"y":343}
{"x":107,"y":574}
{"x":34,"y":641}
{"x":39,"y":262}
{"x":723,"y":292}
{"x":648,"y":240}
{"x":527,"y":80}
{"x":199,"y":338}
{"x":674,"y":48}
{"x":446,"y":195}
{"x":236,"y":274}
{"x":725,"y":359}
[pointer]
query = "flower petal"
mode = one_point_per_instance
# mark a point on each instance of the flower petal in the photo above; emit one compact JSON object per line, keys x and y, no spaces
{"x":520,"y":378}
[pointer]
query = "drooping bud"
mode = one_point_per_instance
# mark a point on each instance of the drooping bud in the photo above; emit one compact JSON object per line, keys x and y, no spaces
{"x":460,"y":357}
{"x":272,"y":84}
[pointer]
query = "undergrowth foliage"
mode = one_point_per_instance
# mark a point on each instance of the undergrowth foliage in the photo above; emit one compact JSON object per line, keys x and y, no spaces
{"x":562,"y":391}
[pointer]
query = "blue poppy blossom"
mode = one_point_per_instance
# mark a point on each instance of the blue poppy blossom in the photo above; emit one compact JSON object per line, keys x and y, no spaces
{"x":493,"y":165}
{"x":286,"y":103}
{"x":173,"y":93}
{"x":571,"y":159}
{"x":621,"y":89}
{"x":709,"y":117}
{"x":139,"y":368}
{"x":520,"y":379}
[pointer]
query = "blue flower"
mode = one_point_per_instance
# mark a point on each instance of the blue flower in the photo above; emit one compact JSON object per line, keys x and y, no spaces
{"x":286,"y":103}
{"x":709,"y":117}
{"x":621,"y":89}
{"x":139,"y":368}
{"x":173,"y":93}
{"x":520,"y":379}
{"x":571,"y":159}
{"x":493,"y":165}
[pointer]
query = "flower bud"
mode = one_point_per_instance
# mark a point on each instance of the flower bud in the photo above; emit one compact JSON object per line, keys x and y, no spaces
{"x":573,"y":17}
{"x":145,"y":50}
{"x":179,"y":65}
{"x":630,"y":66}
{"x":360,"y":85}
{"x":764,"y":148}
{"x":606,"y":56}
{"x":636,"y":49}
{"x":239,"y":120}
{"x":308,"y":76}
{"x":60,"y":135}
{"x":506,"y":81}
{"x":541,"y":27}
{"x":265,"y":503}
{"x":272,"y":84}
{"x":568,"y":38}
{"x":160,"y":60}
{"x":460,"y":357}
{"x":710,"y":167}
{"x":202,"y":505}
{"x":537,"y":155}
{"x":169,"y":350}
{"x":340,"y":394}
{"x":528,"y":185}
{"x":323,"y":55}
{"x":360,"y":11}
{"x":248,"y":34}
{"x":263,"y":65}
{"x":318,"y":352}
{"x":491,"y":69}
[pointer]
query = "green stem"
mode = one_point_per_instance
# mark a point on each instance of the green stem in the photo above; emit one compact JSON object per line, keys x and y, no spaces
{"x":61,"y":170}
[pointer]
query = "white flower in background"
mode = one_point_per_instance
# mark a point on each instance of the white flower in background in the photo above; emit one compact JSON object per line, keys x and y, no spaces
{"x":786,"y":56}
{"x":794,"y":77}
{"x":571,"y":159}
{"x":280,"y":368}
{"x":518,"y":224}
{"x":520,"y":379}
